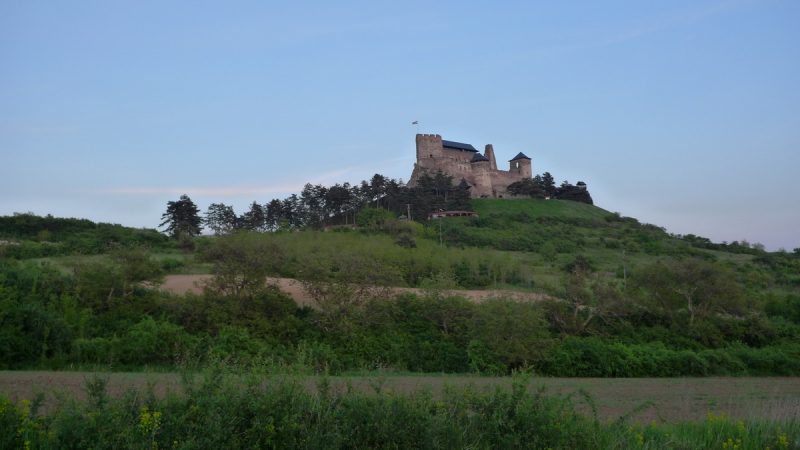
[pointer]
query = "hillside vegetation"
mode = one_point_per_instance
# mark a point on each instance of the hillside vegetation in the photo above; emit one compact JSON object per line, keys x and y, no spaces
{"x":628,"y":299}
{"x":535,"y":208}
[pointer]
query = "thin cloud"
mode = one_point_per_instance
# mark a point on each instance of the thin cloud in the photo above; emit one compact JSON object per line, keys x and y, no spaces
{"x":248,"y":190}
{"x":333,"y":175}
{"x":222,"y":191}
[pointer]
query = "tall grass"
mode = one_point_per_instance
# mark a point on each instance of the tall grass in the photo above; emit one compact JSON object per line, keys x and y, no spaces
{"x":262,"y":407}
{"x":477,"y":267}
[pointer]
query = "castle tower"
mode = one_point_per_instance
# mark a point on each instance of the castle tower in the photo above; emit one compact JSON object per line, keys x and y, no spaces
{"x":489,"y":154}
{"x":429,"y":146}
{"x":482,"y":173}
{"x":521,"y":164}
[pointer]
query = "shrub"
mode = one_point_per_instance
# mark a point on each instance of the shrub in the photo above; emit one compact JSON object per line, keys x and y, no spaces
{"x":169,"y":265}
{"x":97,"y":350}
{"x":154,"y":341}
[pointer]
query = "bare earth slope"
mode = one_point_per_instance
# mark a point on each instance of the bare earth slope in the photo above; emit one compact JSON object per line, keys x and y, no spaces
{"x":180,"y":284}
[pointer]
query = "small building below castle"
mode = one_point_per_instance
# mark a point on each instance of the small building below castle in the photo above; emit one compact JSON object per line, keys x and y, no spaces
{"x":440,"y":214}
{"x":465,"y":162}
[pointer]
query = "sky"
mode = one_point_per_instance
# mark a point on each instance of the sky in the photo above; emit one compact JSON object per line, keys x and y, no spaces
{"x":683,"y":114}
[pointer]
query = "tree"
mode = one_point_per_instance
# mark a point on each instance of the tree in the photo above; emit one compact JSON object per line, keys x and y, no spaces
{"x":584,"y":300}
{"x":108,"y":285}
{"x":241,"y":264}
{"x":293,"y":211}
{"x":221,"y":218}
{"x":692,"y":286}
{"x":182,"y":217}
{"x":313,"y":198}
{"x":548,"y":183}
{"x":514,"y":331}
{"x":443,"y":307}
{"x":255,"y":219}
{"x":338,"y":200}
{"x":532,"y":187}
{"x":274,"y":212}
{"x":567,"y":191}
{"x":240,"y":293}
{"x":377,"y":188}
{"x":350,"y":291}
{"x":136,"y":268}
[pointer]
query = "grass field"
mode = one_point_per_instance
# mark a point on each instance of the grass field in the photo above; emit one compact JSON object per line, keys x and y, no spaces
{"x":675,"y":399}
{"x":538,"y":208}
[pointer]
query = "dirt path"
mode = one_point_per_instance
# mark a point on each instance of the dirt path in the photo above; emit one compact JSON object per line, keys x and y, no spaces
{"x":181,"y":284}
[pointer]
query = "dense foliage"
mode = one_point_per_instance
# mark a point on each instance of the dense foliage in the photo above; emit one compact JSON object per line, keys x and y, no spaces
{"x":32,"y":236}
{"x":680,"y":317}
{"x":543,"y":186}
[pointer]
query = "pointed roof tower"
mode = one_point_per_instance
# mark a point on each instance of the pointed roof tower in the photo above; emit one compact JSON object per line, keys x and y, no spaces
{"x":520,"y":155}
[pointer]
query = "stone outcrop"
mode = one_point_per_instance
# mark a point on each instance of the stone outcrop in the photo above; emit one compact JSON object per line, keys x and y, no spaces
{"x":464,"y":161}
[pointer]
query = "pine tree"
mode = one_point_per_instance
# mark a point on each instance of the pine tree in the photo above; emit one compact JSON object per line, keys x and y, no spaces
{"x":182,"y":217}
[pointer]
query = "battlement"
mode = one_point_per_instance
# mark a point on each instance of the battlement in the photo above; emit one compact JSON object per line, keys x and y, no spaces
{"x":429,"y":146}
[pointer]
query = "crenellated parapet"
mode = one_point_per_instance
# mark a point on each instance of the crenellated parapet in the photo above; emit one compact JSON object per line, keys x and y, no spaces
{"x":429,"y":146}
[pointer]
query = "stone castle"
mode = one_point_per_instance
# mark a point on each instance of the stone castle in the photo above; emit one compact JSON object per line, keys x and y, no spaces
{"x":464,"y":161}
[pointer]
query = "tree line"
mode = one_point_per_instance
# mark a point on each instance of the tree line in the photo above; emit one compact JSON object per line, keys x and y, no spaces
{"x":544,"y":186}
{"x":317,"y":206}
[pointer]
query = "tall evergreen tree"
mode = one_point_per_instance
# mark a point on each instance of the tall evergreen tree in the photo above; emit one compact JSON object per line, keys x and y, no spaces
{"x":548,"y":183}
{"x":255,"y":219}
{"x":221,"y":218}
{"x":274,"y":211}
{"x":182,"y":217}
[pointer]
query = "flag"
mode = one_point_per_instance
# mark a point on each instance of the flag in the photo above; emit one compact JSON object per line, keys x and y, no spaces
{"x":416,"y":122}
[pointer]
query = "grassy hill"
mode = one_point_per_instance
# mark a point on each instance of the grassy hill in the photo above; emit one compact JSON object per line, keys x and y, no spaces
{"x":535,"y":208}
{"x":595,"y":324}
{"x":525,"y":244}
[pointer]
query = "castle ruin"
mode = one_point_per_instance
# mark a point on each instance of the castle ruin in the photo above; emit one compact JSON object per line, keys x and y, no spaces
{"x":464,"y":161}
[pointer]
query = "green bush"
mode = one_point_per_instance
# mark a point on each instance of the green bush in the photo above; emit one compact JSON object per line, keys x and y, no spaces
{"x":97,"y":350}
{"x":593,"y":357}
{"x":154,"y":341}
{"x":170,"y":265}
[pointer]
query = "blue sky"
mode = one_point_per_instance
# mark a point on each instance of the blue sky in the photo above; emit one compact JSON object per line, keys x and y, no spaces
{"x":685,"y":114}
